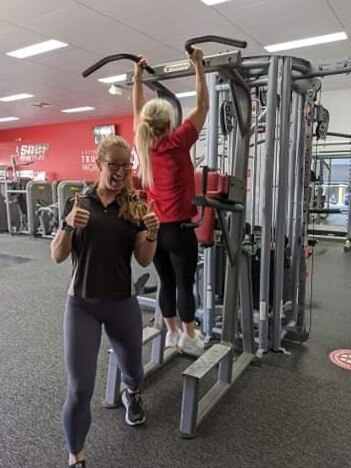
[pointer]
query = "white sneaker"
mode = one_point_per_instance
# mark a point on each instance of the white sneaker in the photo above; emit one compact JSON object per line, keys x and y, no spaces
{"x":191,"y":345}
{"x":172,"y":338}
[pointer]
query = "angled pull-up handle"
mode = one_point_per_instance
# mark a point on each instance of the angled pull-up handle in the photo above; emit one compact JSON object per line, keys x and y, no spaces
{"x":218,"y":39}
{"x":156,"y":86}
{"x":115,"y":58}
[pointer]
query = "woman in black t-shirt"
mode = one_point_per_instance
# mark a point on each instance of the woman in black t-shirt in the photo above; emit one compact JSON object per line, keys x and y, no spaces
{"x":101,"y":230}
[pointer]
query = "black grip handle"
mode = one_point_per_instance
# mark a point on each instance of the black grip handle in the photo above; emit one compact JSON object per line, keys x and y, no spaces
{"x":205,"y":170}
{"x":115,"y":58}
{"x":218,"y":39}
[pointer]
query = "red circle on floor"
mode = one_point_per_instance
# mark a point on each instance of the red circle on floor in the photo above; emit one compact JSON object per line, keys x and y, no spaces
{"x":341,"y":358}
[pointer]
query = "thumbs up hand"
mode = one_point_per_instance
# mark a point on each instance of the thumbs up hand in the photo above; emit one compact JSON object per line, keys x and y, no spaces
{"x":151,"y":221}
{"x":77,"y":202}
{"x":78,"y":216}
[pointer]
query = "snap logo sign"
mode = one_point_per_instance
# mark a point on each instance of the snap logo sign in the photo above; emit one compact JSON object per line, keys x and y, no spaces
{"x":32,"y":152}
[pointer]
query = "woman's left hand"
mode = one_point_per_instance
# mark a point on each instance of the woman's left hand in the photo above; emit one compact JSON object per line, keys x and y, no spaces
{"x":151,"y":221}
{"x":139,"y":67}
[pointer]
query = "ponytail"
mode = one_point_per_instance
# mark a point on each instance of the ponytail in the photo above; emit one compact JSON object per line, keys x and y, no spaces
{"x":156,"y":120}
{"x":144,"y":141}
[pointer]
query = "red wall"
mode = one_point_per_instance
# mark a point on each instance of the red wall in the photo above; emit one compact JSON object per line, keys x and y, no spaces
{"x":71,"y":147}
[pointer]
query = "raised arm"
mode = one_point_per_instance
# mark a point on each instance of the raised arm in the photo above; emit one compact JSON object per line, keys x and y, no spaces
{"x":198,"y":115}
{"x":138,"y":91}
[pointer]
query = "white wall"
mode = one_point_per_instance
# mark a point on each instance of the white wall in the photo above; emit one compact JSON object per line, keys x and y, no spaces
{"x":339,"y":105}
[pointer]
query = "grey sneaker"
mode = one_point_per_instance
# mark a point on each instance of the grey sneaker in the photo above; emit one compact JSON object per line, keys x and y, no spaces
{"x":172,"y":338}
{"x":134,"y":408}
{"x":191,"y":345}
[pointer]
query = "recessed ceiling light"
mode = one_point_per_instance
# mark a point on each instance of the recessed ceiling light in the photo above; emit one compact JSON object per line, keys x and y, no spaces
{"x":16,"y":97}
{"x":8,"y":119}
{"x":37,"y":49}
{"x":310,"y":41}
{"x":186,"y":94}
{"x":78,"y":109}
{"x":213,"y":2}
{"x":113,"y":79}
{"x":115,"y":90}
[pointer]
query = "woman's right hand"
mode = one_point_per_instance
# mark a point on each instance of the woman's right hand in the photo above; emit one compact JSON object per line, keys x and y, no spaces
{"x":78,"y":216}
{"x":196,"y":56}
{"x":139,"y":67}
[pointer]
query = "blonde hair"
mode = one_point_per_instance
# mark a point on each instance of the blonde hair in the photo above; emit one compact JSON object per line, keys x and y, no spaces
{"x":133,"y":209}
{"x":156,"y":119}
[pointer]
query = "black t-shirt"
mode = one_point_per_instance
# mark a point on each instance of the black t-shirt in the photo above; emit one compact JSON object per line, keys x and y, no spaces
{"x":101,"y":252}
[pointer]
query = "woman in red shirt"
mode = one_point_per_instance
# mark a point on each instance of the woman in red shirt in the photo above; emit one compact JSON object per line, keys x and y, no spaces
{"x":167,"y":173}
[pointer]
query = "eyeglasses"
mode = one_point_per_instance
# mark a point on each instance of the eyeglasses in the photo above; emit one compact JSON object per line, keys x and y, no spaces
{"x":115,"y":166}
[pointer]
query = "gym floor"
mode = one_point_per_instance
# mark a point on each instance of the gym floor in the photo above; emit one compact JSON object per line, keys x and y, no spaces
{"x":292,"y":411}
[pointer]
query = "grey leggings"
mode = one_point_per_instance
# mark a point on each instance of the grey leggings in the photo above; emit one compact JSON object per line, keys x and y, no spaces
{"x":82,"y":336}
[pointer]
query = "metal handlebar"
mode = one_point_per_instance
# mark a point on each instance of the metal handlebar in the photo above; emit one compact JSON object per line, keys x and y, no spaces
{"x":156,"y":86}
{"x":115,"y":58}
{"x":205,"y":171}
{"x":218,"y":39}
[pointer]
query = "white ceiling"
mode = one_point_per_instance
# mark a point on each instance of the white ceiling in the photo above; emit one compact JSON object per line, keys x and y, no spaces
{"x":156,"y":28}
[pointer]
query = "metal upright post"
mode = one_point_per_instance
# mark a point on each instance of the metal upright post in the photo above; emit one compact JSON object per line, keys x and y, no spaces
{"x":347,"y":245}
{"x":221,"y":355}
{"x":114,"y":380}
{"x":158,"y":343}
{"x":297,"y":216}
{"x":297,"y":326}
{"x":348,"y":229}
{"x":329,"y":183}
{"x":7,"y":202}
{"x":212,"y":122}
{"x":309,"y":116}
{"x":267,"y":204}
{"x":292,"y":166}
{"x":239,"y":163}
{"x":280,"y":225}
{"x":246,"y":303}
{"x":211,"y":160}
{"x":254,"y":170}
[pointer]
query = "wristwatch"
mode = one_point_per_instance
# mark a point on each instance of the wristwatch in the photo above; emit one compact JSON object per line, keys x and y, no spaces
{"x":65,"y":227}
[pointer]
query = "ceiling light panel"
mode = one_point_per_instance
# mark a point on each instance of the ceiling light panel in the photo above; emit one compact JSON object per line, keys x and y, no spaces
{"x":8,"y":119}
{"x":310,"y":41}
{"x":16,"y":97}
{"x":37,"y":49}
{"x":186,"y":94}
{"x":78,"y":109}
{"x":113,"y":79}
{"x":213,"y":2}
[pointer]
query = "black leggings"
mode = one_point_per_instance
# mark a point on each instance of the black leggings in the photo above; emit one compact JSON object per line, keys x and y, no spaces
{"x":176,"y":261}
